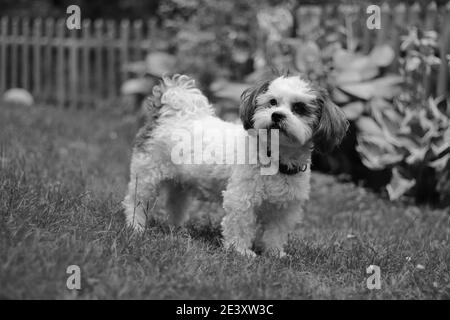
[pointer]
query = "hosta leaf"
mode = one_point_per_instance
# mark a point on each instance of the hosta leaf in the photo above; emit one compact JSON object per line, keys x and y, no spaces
{"x":137,"y":86}
{"x":307,"y":54}
{"x":439,"y":147}
{"x":380,"y":104}
{"x":398,"y":185}
{"x":339,"y":97}
{"x":342,"y":59}
{"x":355,"y":75}
{"x":367,"y":126}
{"x":376,"y":153}
{"x":416,"y":155}
{"x":386,"y":87}
{"x":138,"y":67}
{"x":352,"y":67}
{"x":353,"y":110}
{"x":388,"y":119}
{"x":382,"y":55}
{"x":160,"y":63}
{"x":406,"y":142}
{"x":228,"y":90}
{"x":440,"y":164}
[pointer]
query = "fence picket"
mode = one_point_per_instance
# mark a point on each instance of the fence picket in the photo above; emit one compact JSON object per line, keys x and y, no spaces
{"x":37,"y":35}
{"x":137,"y":41}
{"x":99,"y":81}
{"x":398,"y":24}
{"x":61,"y":73}
{"x":74,"y":68}
{"x":25,"y":43}
{"x":110,"y":59}
{"x":414,"y":15}
{"x":3,"y":53}
{"x":430,"y":16}
{"x":86,"y":59}
{"x":386,"y":18}
{"x":49,"y":66}
{"x":14,"y":71}
{"x":124,"y":45}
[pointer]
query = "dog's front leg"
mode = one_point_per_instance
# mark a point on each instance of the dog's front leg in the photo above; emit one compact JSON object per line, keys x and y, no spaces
{"x":238,"y":229}
{"x":277,"y":226}
{"x":239,"y":223}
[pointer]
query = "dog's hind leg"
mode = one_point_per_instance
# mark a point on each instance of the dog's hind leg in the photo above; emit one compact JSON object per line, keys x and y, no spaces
{"x":177,"y":198}
{"x":148,"y":170}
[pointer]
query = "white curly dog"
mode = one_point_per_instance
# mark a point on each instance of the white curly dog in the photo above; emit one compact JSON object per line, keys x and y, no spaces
{"x":260,"y":209}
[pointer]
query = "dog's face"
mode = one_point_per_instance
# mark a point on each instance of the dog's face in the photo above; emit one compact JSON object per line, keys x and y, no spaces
{"x":301,"y":112}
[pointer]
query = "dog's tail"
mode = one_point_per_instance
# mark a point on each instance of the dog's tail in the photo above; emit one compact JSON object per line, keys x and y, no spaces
{"x":177,"y":96}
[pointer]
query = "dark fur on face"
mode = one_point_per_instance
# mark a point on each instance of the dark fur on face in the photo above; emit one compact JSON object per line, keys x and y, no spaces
{"x":326,"y":119}
{"x":332,"y":125}
{"x":248,"y":103}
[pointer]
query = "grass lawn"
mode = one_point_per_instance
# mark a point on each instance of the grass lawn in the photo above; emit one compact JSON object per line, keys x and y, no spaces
{"x":63,"y":175}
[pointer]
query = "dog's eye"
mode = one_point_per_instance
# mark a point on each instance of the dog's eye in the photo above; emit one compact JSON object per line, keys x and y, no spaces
{"x":299,"y":108}
{"x":273,"y":102}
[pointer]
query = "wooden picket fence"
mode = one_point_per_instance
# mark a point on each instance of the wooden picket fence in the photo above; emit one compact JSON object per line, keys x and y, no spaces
{"x":70,"y":68}
{"x":74,"y":68}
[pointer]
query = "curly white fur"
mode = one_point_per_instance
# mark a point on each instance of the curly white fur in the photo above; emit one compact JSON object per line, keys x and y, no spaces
{"x":260,"y":210}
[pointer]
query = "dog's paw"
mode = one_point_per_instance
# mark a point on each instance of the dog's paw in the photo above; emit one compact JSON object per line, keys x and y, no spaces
{"x":135,"y":226}
{"x":246,"y":252}
{"x":275,"y":253}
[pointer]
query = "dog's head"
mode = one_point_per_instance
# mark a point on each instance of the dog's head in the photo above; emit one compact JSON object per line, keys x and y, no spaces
{"x":301,"y":112}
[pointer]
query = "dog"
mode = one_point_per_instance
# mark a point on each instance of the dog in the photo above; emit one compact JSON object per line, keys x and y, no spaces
{"x":260,"y":210}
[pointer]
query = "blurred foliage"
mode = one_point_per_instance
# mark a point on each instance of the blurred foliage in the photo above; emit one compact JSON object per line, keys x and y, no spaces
{"x":399,"y":138}
{"x":411,"y":135}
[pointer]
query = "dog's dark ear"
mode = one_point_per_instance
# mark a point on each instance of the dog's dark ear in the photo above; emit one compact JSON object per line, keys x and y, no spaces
{"x":248,"y":103}
{"x":332,"y":125}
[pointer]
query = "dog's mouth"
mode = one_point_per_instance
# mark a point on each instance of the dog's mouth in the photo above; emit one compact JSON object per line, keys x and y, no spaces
{"x":279,"y":126}
{"x":283,"y":131}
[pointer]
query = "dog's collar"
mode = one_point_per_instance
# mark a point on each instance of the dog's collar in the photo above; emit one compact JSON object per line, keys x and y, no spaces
{"x":291,"y":170}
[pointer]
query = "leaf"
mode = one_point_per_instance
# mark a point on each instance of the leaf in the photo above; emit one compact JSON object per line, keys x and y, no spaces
{"x":376,"y":153}
{"x":382,"y":55}
{"x":139,"y":68}
{"x":339,"y":97}
{"x":342,"y":59}
{"x":369,"y":127}
{"x":353,"y":110}
{"x":160,"y":63}
{"x":355,"y":75}
{"x":386,"y":87}
{"x":136,"y":86}
{"x":228,"y":90}
{"x":440,"y":146}
{"x":307,"y":54}
{"x":398,"y":185}
{"x":416,"y":155}
{"x":440,"y":164}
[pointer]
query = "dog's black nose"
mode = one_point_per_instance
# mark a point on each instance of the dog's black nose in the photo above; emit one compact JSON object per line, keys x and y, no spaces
{"x":277,"y":117}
